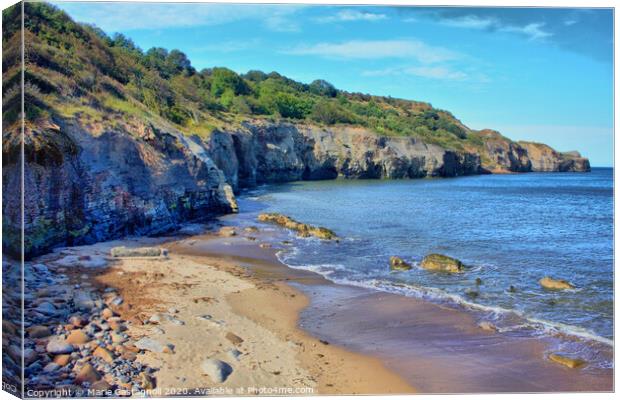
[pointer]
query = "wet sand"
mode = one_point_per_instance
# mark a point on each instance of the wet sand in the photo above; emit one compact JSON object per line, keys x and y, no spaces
{"x":436,"y":349}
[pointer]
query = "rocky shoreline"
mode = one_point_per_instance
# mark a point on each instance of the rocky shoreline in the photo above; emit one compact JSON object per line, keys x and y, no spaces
{"x":153,"y":177}
{"x":121,"y":319}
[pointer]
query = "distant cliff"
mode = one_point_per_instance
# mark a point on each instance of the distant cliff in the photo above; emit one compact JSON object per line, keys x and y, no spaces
{"x":264,"y":152}
{"x":119,"y":141}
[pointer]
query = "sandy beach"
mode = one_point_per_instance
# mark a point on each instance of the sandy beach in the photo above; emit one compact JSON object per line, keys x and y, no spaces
{"x":226,"y":299}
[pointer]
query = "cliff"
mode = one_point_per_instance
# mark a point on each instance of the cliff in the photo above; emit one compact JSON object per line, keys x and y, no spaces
{"x":546,"y":159}
{"x":118,"y":141}
{"x":264,"y":152}
{"x":82,"y":187}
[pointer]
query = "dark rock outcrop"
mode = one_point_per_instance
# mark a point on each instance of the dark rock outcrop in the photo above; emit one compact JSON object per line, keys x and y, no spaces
{"x":505,"y":154}
{"x":280,"y":152}
{"x":546,"y":159}
{"x":82,"y":187}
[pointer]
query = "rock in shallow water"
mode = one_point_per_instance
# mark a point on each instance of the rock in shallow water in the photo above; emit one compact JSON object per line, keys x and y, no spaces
{"x":439,"y":262}
{"x":555,"y":284}
{"x":227,"y":231}
{"x":398,"y":264}
{"x":567,"y":361}
{"x":217,"y":370}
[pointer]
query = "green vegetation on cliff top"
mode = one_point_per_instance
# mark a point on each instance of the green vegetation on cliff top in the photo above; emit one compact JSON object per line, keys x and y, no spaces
{"x":77,"y":71}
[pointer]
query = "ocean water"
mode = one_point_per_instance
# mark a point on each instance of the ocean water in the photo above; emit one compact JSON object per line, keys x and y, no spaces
{"x":511,"y":230}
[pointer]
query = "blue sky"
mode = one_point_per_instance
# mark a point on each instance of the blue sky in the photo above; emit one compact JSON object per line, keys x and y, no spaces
{"x":532,"y":73}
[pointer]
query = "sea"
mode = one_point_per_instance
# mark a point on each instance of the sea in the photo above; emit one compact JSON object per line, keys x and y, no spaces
{"x":510,"y":230}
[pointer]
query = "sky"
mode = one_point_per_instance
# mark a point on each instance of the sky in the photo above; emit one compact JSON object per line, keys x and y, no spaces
{"x":540,"y":74}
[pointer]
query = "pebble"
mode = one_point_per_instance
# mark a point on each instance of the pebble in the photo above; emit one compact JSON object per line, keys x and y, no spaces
{"x":87,"y":374}
{"x":62,"y":359}
{"x":234,"y":339}
{"x":234,"y":354}
{"x":51,"y":367}
{"x":117,"y":301}
{"x":146,"y":381}
{"x":487,"y":326}
{"x":150,"y":345}
{"x":59,"y":346}
{"x":77,"y":321}
{"x":104,"y":354}
{"x":39,"y":331}
{"x":77,"y":337}
{"x":107,"y":313}
{"x":47,"y":308}
{"x":217,"y":370}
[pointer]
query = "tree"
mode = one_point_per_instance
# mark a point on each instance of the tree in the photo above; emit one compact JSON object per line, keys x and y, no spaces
{"x":290,"y":106}
{"x":328,"y":113}
{"x":323,"y":88}
{"x":177,"y":62}
{"x":223,"y":79}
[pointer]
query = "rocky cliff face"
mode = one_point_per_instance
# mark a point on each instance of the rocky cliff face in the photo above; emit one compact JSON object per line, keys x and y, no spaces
{"x":278,"y":152}
{"x":501,"y":154}
{"x":264,"y":152}
{"x":82,"y":187}
{"x":546,"y":159}
{"x":87,"y":184}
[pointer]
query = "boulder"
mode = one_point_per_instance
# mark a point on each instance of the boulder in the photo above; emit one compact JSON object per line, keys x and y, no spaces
{"x":303,"y":230}
{"x":59,"y":346}
{"x":100,"y":386}
{"x":555,"y":284}
{"x":227,"y":231}
{"x":104,"y":354}
{"x":487,"y":326}
{"x":146,"y":381}
{"x":39,"y":331}
{"x":217,"y":370}
{"x":47,"y":308}
{"x":77,"y":337}
{"x":567,"y":361}
{"x":62,"y":359}
{"x":153,"y":346}
{"x":107,"y":313}
{"x":77,"y":321}
{"x":87,"y":374}
{"x":123,"y":251}
{"x":398,"y":264}
{"x":234,"y":339}
{"x":441,"y":263}
{"x":9,"y":328}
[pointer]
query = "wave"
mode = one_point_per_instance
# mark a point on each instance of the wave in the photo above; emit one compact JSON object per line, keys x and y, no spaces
{"x":503,"y":318}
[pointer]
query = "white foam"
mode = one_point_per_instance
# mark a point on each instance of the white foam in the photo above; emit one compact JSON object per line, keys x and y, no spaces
{"x":440,"y":295}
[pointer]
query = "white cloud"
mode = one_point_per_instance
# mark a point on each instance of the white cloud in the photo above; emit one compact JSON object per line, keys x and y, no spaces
{"x":119,"y":16}
{"x":229,"y":46}
{"x":431,"y":72}
{"x":471,"y":21}
{"x":377,"y":49}
{"x":436,"y":72}
{"x":570,"y":22}
{"x":534,"y":30}
{"x":352,"y":15}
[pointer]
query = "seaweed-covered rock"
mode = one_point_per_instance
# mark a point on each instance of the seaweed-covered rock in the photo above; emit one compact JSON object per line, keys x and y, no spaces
{"x":567,"y":361}
{"x":398,"y":264}
{"x":439,"y":262}
{"x":303,"y":230}
{"x":123,"y":251}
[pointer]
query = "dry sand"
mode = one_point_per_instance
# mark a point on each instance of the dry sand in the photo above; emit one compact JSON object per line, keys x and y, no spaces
{"x":276,"y":356}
